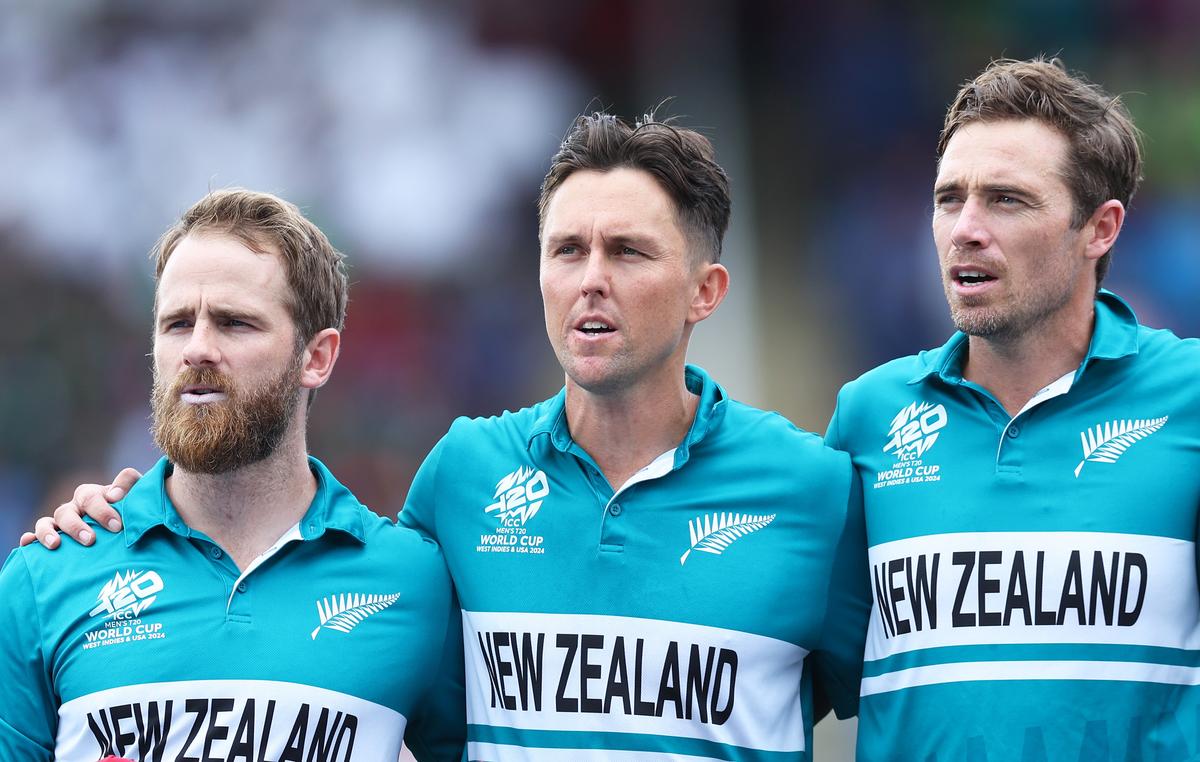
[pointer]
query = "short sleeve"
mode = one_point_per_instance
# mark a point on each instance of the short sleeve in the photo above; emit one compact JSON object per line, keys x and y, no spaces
{"x":839,"y":656}
{"x":833,"y":433}
{"x":28,"y":708}
{"x":437,"y":732}
{"x":420,"y":508}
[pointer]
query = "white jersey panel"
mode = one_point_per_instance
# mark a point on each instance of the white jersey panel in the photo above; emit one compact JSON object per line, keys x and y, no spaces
{"x":596,"y":673}
{"x":487,"y":752}
{"x":228,"y":719}
{"x":972,"y":588}
{"x":959,"y":672}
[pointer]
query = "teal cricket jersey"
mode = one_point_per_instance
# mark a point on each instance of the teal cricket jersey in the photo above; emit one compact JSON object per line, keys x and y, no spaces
{"x":152,"y":646}
{"x":1034,"y":578}
{"x":686,"y":615}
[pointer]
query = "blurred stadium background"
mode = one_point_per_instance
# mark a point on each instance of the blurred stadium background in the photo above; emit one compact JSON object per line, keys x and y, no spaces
{"x":416,"y":134}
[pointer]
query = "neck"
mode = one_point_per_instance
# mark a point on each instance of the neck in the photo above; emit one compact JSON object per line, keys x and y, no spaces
{"x":1016,"y":368}
{"x":246,"y":510}
{"x":626,"y":430}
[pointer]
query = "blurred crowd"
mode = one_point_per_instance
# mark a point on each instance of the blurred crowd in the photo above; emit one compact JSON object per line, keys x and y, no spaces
{"x":416,"y":135}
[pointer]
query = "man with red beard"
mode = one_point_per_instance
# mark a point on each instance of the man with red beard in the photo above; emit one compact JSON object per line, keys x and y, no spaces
{"x":251,"y":606}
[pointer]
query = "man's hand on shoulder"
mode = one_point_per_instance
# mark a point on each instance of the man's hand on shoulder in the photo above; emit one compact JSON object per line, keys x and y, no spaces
{"x":89,"y":500}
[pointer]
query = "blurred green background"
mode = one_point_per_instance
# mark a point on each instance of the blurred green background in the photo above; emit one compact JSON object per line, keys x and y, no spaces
{"x":416,"y":134}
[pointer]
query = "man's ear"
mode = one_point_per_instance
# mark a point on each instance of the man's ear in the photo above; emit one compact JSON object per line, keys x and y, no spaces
{"x":711,"y":288}
{"x":320,"y":355}
{"x":1102,"y":229}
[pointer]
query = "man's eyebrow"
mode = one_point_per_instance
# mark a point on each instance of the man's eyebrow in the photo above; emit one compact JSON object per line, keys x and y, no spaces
{"x":561,"y":237}
{"x":229,"y":313}
{"x":641,"y":241}
{"x":175,"y":314}
{"x":1015,"y":190}
{"x":954,"y":185}
{"x":636,"y":240}
{"x":220,"y":313}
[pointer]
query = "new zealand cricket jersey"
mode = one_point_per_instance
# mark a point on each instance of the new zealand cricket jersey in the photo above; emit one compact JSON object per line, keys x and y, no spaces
{"x":684,"y":614}
{"x":1034,"y":578}
{"x":152,"y":646}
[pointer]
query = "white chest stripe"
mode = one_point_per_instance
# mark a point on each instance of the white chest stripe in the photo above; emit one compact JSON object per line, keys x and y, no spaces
{"x":593,"y":673}
{"x":222,"y":719}
{"x":487,"y":752}
{"x":960,"y":672}
{"x":975,"y":588}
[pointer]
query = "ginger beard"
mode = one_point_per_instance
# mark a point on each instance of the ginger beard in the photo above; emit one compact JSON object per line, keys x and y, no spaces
{"x":217,"y":437}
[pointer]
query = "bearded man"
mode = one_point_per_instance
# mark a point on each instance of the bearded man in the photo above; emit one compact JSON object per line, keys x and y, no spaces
{"x":251,"y":607}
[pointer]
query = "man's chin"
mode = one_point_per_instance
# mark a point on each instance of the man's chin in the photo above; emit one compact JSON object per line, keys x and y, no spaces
{"x":596,"y":378}
{"x":981,"y":323}
{"x":216,"y":444}
{"x":212,"y":461}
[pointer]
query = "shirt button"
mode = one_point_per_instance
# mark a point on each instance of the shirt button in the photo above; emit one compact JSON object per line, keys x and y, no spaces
{"x":615,"y":509}
{"x":241,"y":587}
{"x":1014,"y":432}
{"x":214,"y":551}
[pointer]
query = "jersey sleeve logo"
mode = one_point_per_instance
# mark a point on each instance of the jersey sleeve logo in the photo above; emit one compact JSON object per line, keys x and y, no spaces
{"x":717,"y":531}
{"x":345,"y":612}
{"x":1106,"y":442}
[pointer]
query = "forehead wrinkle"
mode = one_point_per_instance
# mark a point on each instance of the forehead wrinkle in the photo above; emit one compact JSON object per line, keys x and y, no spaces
{"x":1003,"y":150}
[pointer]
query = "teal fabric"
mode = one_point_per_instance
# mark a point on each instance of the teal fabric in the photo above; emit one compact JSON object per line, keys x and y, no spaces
{"x":1067,"y":623}
{"x":257,"y":639}
{"x":615,"y":569}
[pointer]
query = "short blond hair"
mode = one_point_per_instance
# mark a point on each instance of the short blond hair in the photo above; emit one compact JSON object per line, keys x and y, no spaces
{"x":315,"y":270}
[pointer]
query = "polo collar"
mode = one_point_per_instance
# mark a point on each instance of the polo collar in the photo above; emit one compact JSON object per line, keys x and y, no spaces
{"x":148,"y":506}
{"x":1114,"y":335}
{"x":552,"y":420}
{"x":1116,"y":332}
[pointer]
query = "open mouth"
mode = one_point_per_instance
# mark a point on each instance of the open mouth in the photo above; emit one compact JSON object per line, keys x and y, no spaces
{"x":201,"y":394}
{"x":972,"y":277}
{"x":595,"y":328}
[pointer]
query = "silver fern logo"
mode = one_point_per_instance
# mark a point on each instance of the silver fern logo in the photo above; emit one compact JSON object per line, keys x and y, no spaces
{"x":717,"y":531}
{"x":1106,"y":442}
{"x":345,"y":612}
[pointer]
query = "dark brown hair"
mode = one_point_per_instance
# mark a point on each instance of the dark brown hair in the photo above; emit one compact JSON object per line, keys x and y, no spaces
{"x":315,"y":270}
{"x":1105,"y":158}
{"x":682,"y":161}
